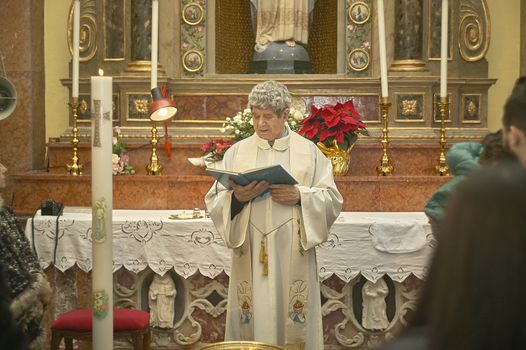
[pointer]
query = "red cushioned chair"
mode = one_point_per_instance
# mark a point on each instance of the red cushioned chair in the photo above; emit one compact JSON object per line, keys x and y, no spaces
{"x":77,"y":324}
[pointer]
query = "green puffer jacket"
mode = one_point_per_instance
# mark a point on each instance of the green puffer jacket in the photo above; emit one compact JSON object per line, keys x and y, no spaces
{"x":461,"y":159}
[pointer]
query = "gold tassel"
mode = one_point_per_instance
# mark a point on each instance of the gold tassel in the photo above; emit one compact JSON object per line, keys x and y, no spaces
{"x":263,"y":257}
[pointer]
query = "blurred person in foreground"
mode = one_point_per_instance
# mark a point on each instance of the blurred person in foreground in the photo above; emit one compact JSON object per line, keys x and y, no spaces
{"x":514,"y":121}
{"x":274,"y":294}
{"x":463,"y":158}
{"x":473,"y":297}
{"x":25,"y":290}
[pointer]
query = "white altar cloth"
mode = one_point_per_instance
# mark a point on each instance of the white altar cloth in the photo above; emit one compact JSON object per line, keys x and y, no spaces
{"x":149,"y":238}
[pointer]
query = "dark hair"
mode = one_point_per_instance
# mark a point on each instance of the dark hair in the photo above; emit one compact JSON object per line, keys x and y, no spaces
{"x":493,"y":151}
{"x":515,"y":107}
{"x":474,"y":295}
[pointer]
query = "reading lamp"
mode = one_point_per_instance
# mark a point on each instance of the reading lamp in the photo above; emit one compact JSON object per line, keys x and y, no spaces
{"x":161,"y":109}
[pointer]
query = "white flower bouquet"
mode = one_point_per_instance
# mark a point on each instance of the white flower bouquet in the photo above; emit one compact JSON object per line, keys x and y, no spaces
{"x":241,"y":127}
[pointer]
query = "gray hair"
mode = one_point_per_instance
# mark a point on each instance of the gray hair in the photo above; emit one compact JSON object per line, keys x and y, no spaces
{"x":270,"y":94}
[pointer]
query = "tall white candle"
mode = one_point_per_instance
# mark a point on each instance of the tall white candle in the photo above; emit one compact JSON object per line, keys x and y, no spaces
{"x":75,"y":65}
{"x":155,"y":41}
{"x":102,"y":204}
{"x":381,"y":42}
{"x":444,"y":49}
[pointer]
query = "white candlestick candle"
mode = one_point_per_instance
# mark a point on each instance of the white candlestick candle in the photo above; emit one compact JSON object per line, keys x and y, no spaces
{"x":76,"y":45}
{"x":102,"y":204}
{"x":444,"y":48}
{"x":381,"y":42}
{"x":155,"y":41}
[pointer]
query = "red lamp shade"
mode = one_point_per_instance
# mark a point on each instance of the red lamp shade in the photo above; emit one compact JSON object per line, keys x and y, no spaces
{"x":162,"y":108}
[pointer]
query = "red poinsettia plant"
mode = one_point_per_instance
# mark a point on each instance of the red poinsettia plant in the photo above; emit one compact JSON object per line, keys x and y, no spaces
{"x":330,"y":124}
{"x":215,"y":149}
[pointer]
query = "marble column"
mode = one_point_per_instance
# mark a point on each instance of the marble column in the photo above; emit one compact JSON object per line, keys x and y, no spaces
{"x":140,"y":36}
{"x":408,"y":48}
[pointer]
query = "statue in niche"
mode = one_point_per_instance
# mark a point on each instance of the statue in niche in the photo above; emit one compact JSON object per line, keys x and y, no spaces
{"x":374,"y":316}
{"x":161,"y":296}
{"x":280,"y":24}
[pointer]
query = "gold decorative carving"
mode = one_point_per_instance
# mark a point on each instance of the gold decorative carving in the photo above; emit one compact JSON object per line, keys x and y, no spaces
{"x":139,"y":67}
{"x":140,"y":106}
{"x":83,"y":106}
{"x":409,"y":65}
{"x":88,"y":30}
{"x":409,"y":107}
{"x":474,"y":30}
{"x":470,"y":108}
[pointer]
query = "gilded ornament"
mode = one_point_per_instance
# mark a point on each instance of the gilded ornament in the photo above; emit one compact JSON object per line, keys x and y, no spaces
{"x":409,"y":107}
{"x":83,"y":106}
{"x":472,"y":109}
{"x":340,"y":158}
{"x":87,"y":31}
{"x":141,"y":106}
{"x":473,"y":30}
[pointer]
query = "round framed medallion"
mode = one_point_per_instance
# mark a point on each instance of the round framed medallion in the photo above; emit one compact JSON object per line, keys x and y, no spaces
{"x":359,"y":12}
{"x":193,"y":13}
{"x":358,"y":60}
{"x":193,"y":61}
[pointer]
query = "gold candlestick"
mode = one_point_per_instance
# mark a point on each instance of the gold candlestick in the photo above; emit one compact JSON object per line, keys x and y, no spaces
{"x":75,"y":168}
{"x":384,"y":168}
{"x":154,"y":168}
{"x":441,"y":168}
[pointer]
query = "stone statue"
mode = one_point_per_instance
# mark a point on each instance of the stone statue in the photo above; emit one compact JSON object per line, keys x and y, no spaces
{"x":282,"y":20}
{"x":280,"y":24}
{"x":374,"y":316}
{"x":161,"y":297}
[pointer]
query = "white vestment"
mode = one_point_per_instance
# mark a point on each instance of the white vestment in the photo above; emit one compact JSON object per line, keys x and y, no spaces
{"x":283,"y":307}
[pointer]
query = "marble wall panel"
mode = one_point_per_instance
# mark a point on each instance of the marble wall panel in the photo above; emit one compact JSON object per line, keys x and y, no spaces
{"x":211,"y":107}
{"x":21,"y":43}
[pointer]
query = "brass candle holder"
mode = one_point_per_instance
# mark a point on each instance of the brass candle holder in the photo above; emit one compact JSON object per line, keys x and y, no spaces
{"x":441,"y":168}
{"x":155,"y":167}
{"x":75,"y":168}
{"x":385,"y":168}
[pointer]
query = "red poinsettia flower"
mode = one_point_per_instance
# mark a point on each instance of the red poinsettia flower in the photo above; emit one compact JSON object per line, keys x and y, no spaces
{"x":215,"y":149}
{"x":340,"y":122}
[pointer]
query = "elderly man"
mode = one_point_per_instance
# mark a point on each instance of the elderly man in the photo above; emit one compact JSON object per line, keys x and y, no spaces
{"x":274,"y":294}
{"x":514,"y":121}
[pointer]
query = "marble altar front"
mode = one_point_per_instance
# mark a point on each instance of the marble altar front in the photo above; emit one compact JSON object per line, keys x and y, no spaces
{"x":366,"y":291}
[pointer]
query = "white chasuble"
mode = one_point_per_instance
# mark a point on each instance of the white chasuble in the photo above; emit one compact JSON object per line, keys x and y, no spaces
{"x":283,"y":306}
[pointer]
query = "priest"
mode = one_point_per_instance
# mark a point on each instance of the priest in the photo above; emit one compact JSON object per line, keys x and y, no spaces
{"x":274,"y":294}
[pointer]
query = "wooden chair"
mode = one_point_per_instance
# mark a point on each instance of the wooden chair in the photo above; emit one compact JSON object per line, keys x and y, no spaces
{"x":77,"y":324}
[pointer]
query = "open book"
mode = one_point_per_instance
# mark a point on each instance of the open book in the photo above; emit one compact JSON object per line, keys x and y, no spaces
{"x":273,"y":174}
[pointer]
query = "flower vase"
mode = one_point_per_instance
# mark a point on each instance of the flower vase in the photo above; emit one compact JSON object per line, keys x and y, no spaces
{"x":215,"y":164}
{"x":340,"y":158}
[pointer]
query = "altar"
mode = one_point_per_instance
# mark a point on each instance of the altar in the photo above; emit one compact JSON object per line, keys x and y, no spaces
{"x":355,"y":260}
